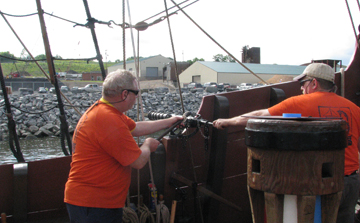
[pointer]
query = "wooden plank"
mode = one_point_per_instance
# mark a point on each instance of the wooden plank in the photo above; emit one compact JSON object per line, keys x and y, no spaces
{"x":306,"y":208}
{"x":329,"y":207}
{"x":257,"y":202}
{"x":274,"y":205}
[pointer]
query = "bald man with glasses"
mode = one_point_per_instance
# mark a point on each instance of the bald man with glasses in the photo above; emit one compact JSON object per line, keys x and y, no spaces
{"x":104,"y":152}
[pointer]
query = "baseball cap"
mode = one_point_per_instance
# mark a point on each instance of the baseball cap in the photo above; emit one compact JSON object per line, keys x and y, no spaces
{"x":317,"y":70}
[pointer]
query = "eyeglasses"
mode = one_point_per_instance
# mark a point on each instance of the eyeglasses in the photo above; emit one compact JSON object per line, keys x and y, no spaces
{"x":136,"y":92}
{"x":304,"y":81}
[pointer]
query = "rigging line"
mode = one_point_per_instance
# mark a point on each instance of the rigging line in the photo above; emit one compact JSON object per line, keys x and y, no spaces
{"x":51,"y":68}
{"x":33,"y":113}
{"x":219,"y":44}
{"x":13,"y":137}
{"x":173,"y":50}
{"x":195,"y":178}
{"x":17,"y":59}
{"x":352,"y":22}
{"x":92,"y":29}
{"x":54,"y":58}
{"x":32,"y":57}
{"x":165,"y":10}
{"x":124,"y":51}
{"x":182,"y":103}
{"x":76,"y":24}
{"x":140,"y":98}
{"x":18,"y":15}
{"x":136,"y":61}
{"x":86,"y":59}
{"x":161,"y":18}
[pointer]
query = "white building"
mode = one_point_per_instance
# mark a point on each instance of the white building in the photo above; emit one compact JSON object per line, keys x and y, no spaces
{"x":151,"y":68}
{"x":234,"y":73}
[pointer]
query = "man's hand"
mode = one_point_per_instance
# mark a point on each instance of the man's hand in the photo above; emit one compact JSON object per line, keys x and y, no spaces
{"x":151,"y":143}
{"x":220,"y":123}
{"x":174,"y":119}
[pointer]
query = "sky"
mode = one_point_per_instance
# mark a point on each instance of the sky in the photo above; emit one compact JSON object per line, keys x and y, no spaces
{"x":287,"y":32}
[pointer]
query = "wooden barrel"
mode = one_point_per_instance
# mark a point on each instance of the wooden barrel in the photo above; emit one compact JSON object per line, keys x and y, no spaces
{"x":302,"y":157}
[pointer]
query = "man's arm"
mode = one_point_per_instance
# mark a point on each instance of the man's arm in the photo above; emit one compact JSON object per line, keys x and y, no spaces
{"x":149,"y":127}
{"x":239,"y":120}
{"x":150,"y":145}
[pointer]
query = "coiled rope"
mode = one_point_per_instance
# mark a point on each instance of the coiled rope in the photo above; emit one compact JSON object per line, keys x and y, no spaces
{"x":145,"y":215}
{"x":129,"y":215}
{"x":163,"y":212}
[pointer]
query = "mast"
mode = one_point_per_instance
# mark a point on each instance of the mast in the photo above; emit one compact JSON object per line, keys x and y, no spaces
{"x":91,"y":25}
{"x":63,"y":124}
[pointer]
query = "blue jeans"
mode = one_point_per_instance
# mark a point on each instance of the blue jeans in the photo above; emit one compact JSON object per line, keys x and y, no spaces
{"x":349,"y":199}
{"x":79,"y":214}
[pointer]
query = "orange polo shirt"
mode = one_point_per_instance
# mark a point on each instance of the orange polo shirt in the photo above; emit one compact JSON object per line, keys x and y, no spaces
{"x":103,"y":149}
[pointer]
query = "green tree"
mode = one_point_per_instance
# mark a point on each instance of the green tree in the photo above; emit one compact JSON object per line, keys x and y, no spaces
{"x":132,"y":58}
{"x":58,"y":57}
{"x":222,"y":58}
{"x":194,"y":60}
{"x":40,"y":57}
{"x":8,"y":55}
{"x":117,"y":61}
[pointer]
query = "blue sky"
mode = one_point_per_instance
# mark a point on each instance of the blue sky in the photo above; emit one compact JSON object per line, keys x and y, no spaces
{"x":287,"y":32}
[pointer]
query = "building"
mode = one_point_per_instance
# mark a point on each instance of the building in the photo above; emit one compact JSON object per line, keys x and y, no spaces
{"x":250,"y":55}
{"x":234,"y":73}
{"x":92,"y":76}
{"x":169,"y":71}
{"x":151,"y":68}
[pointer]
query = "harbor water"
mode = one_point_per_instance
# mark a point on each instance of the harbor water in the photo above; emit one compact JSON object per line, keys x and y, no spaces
{"x":39,"y":149}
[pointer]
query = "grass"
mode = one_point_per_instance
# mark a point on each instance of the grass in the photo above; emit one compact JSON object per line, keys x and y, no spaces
{"x":60,"y":66}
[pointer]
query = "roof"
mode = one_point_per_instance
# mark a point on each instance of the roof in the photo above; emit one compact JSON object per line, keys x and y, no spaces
{"x":133,"y":61}
{"x":226,"y":67}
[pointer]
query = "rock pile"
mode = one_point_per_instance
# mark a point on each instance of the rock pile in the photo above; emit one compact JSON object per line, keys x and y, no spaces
{"x":37,"y":115}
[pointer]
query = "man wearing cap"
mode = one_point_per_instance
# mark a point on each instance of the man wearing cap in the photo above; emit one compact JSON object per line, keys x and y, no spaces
{"x":319,"y":100}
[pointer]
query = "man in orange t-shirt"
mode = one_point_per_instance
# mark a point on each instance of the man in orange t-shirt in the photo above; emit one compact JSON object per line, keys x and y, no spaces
{"x":319,"y":100}
{"x":104,"y":152}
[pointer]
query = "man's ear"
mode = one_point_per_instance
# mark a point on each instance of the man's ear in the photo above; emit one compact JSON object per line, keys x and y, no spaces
{"x":124,"y":94}
{"x":315,"y":84}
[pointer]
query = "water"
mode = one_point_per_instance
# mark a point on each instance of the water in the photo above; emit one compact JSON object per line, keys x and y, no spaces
{"x":40,"y":149}
{"x":32,"y":149}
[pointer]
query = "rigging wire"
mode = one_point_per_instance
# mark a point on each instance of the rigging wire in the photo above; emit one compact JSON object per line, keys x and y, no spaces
{"x":218,"y":43}
{"x":54,"y":58}
{"x":164,"y":11}
{"x":142,"y":209}
{"x":63,"y":123}
{"x":32,"y":57}
{"x":123,"y":31}
{"x":352,"y":21}
{"x":173,"y":50}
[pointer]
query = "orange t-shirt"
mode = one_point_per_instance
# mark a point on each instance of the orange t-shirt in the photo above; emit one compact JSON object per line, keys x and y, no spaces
{"x":103,"y":149}
{"x":325,"y":104}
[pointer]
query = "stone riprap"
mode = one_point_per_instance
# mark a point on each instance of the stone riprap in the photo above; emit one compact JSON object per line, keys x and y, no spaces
{"x":36,"y":115}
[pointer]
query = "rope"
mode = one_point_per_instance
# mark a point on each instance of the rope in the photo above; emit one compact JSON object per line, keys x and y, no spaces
{"x":145,"y":215}
{"x":352,"y":22}
{"x":32,"y":57}
{"x":173,"y":50}
{"x":219,"y":44}
{"x":129,"y":215}
{"x":163,"y":212}
{"x":19,"y":15}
